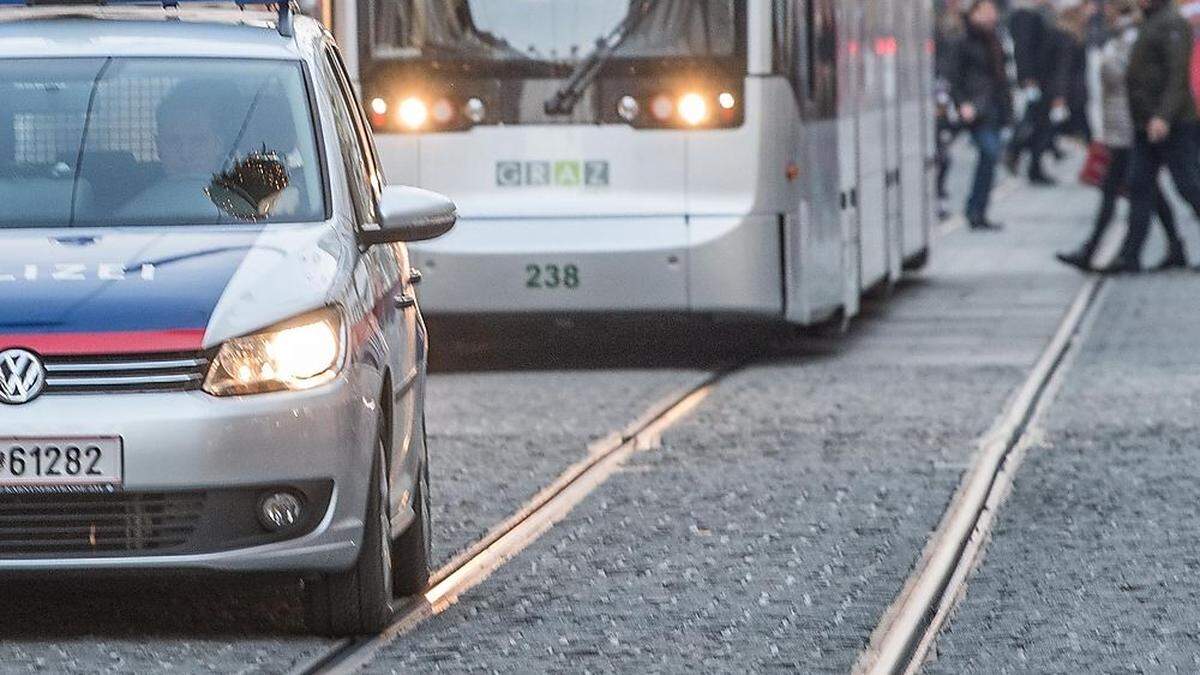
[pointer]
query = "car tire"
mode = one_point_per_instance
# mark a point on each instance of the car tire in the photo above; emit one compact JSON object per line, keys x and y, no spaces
{"x":412,"y":550}
{"x":358,"y":601}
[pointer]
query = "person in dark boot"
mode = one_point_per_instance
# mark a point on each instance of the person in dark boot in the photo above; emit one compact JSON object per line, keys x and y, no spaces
{"x":1121,"y":18}
{"x":1164,"y":119}
{"x":1037,"y":51}
{"x":979,"y":87}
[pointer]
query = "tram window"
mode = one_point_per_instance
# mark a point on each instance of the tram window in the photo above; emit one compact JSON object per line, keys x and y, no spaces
{"x":806,"y":52}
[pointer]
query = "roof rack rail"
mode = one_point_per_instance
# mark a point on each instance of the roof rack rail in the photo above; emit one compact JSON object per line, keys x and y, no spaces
{"x":284,"y":8}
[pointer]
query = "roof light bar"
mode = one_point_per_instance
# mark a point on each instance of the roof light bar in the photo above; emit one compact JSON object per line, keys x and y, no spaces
{"x":283,"y":7}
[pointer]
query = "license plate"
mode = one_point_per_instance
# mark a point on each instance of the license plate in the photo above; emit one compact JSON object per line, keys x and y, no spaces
{"x":61,"y":462}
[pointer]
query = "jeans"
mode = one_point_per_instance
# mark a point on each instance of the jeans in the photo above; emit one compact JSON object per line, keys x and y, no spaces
{"x":1178,"y":154}
{"x":987,"y":141}
{"x":1114,"y":183}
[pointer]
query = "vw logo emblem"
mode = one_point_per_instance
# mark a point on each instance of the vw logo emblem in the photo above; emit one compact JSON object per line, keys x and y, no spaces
{"x":22,"y":376}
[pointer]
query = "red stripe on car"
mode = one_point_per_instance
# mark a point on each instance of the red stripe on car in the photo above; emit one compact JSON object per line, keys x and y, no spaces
{"x":95,"y":344}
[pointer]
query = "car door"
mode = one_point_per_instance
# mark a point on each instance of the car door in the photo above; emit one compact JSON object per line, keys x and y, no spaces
{"x":391,"y":282}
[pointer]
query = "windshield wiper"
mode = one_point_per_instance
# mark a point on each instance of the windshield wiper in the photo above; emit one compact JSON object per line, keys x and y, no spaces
{"x":567,"y":97}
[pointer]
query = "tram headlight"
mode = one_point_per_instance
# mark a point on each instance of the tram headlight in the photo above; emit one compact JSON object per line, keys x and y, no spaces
{"x":475,"y":110}
{"x":413,"y":113}
{"x":693,"y":109}
{"x":442,"y":111}
{"x":662,"y":107}
{"x":628,"y":108}
{"x":726,"y":100}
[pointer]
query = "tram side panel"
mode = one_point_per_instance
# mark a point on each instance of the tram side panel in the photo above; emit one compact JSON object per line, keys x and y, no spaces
{"x":849,"y":24}
{"x":886,"y":45}
{"x":872,"y":191}
{"x":926,"y":17}
{"x":915,"y":239}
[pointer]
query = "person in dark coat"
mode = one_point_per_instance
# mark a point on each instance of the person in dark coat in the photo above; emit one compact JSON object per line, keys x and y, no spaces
{"x":1117,"y":127}
{"x":1037,"y":48}
{"x":1165,"y":126}
{"x":949,"y":31}
{"x":979,"y":87}
{"x":1072,"y":83}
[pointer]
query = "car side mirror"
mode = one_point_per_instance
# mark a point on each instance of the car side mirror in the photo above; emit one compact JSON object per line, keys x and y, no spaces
{"x":410,"y":214}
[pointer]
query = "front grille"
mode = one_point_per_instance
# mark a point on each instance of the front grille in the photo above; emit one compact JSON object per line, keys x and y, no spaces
{"x":97,"y":524}
{"x":132,"y":373}
{"x":118,"y":524}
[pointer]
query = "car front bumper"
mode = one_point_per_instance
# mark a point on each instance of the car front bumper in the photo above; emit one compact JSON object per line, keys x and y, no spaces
{"x":189,"y":442}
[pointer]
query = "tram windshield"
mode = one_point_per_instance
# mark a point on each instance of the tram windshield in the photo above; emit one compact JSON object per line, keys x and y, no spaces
{"x":548,"y":33}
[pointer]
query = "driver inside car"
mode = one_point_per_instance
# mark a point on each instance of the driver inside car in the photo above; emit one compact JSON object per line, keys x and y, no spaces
{"x":190,"y":151}
{"x":198,"y":138}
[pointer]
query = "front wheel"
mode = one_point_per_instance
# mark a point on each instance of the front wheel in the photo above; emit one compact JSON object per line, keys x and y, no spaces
{"x":359,"y":600}
{"x":412,"y":549}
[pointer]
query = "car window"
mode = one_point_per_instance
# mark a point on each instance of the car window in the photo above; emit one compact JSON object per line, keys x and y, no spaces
{"x":148,"y":141}
{"x":360,"y":122}
{"x":358,"y":165}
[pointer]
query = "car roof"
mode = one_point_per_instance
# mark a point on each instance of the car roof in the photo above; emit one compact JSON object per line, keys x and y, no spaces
{"x":49,"y":32}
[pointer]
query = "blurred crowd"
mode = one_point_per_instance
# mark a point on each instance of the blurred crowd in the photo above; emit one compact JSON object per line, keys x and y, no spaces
{"x":1019,"y":77}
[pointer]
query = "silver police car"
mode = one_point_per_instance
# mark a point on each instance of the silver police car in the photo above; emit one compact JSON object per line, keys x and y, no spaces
{"x":211,"y":353}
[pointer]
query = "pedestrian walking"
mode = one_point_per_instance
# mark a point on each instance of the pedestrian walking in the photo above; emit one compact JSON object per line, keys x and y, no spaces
{"x":979,"y":87}
{"x":1118,"y":133}
{"x":1036,"y":51}
{"x":949,"y":30}
{"x":1072,"y":74}
{"x":1165,"y":127}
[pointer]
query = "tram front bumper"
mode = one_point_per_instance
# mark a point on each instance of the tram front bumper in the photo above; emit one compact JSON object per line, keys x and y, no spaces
{"x":604,"y":264}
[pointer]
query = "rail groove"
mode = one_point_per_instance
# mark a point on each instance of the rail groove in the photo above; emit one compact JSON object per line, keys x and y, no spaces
{"x":507,"y":539}
{"x":911,"y":624}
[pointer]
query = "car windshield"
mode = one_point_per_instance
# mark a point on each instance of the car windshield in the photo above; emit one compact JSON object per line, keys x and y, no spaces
{"x":141,"y":141}
{"x":555,"y":32}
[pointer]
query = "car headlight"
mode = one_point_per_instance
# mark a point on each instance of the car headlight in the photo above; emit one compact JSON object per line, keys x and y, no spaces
{"x":302,"y":353}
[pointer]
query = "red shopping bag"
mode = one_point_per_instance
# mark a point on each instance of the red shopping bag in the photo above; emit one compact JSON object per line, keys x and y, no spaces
{"x":1095,"y":169}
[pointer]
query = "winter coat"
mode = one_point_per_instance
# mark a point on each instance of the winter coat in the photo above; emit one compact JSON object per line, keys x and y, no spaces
{"x":977,"y":76}
{"x":1034,"y":47}
{"x":1114,"y":62}
{"x":1158,"y":75}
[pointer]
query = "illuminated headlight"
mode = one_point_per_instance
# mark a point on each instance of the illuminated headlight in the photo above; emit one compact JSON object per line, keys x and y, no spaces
{"x":693,"y":109}
{"x":299,"y":354}
{"x":413,"y":113}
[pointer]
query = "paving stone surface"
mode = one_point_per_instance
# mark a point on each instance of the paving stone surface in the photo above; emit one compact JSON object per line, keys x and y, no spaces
{"x":777,"y":523}
{"x":1092,"y":565}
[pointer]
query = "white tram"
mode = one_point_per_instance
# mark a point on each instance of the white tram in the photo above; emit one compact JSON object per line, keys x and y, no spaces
{"x":765,"y":158}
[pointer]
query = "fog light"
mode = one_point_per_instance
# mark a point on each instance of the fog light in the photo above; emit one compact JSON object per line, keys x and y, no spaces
{"x":279,"y":510}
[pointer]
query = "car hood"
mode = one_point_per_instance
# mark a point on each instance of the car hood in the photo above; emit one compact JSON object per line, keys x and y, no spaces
{"x":136,"y":290}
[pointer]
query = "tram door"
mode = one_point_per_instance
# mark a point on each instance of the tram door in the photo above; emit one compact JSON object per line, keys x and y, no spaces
{"x":913,"y":131}
{"x":815,"y":237}
{"x":849,"y":21}
{"x":872,"y":191}
{"x":886,"y":45}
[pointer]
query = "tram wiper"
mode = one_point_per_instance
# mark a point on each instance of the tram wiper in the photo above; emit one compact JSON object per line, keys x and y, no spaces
{"x":567,"y":97}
